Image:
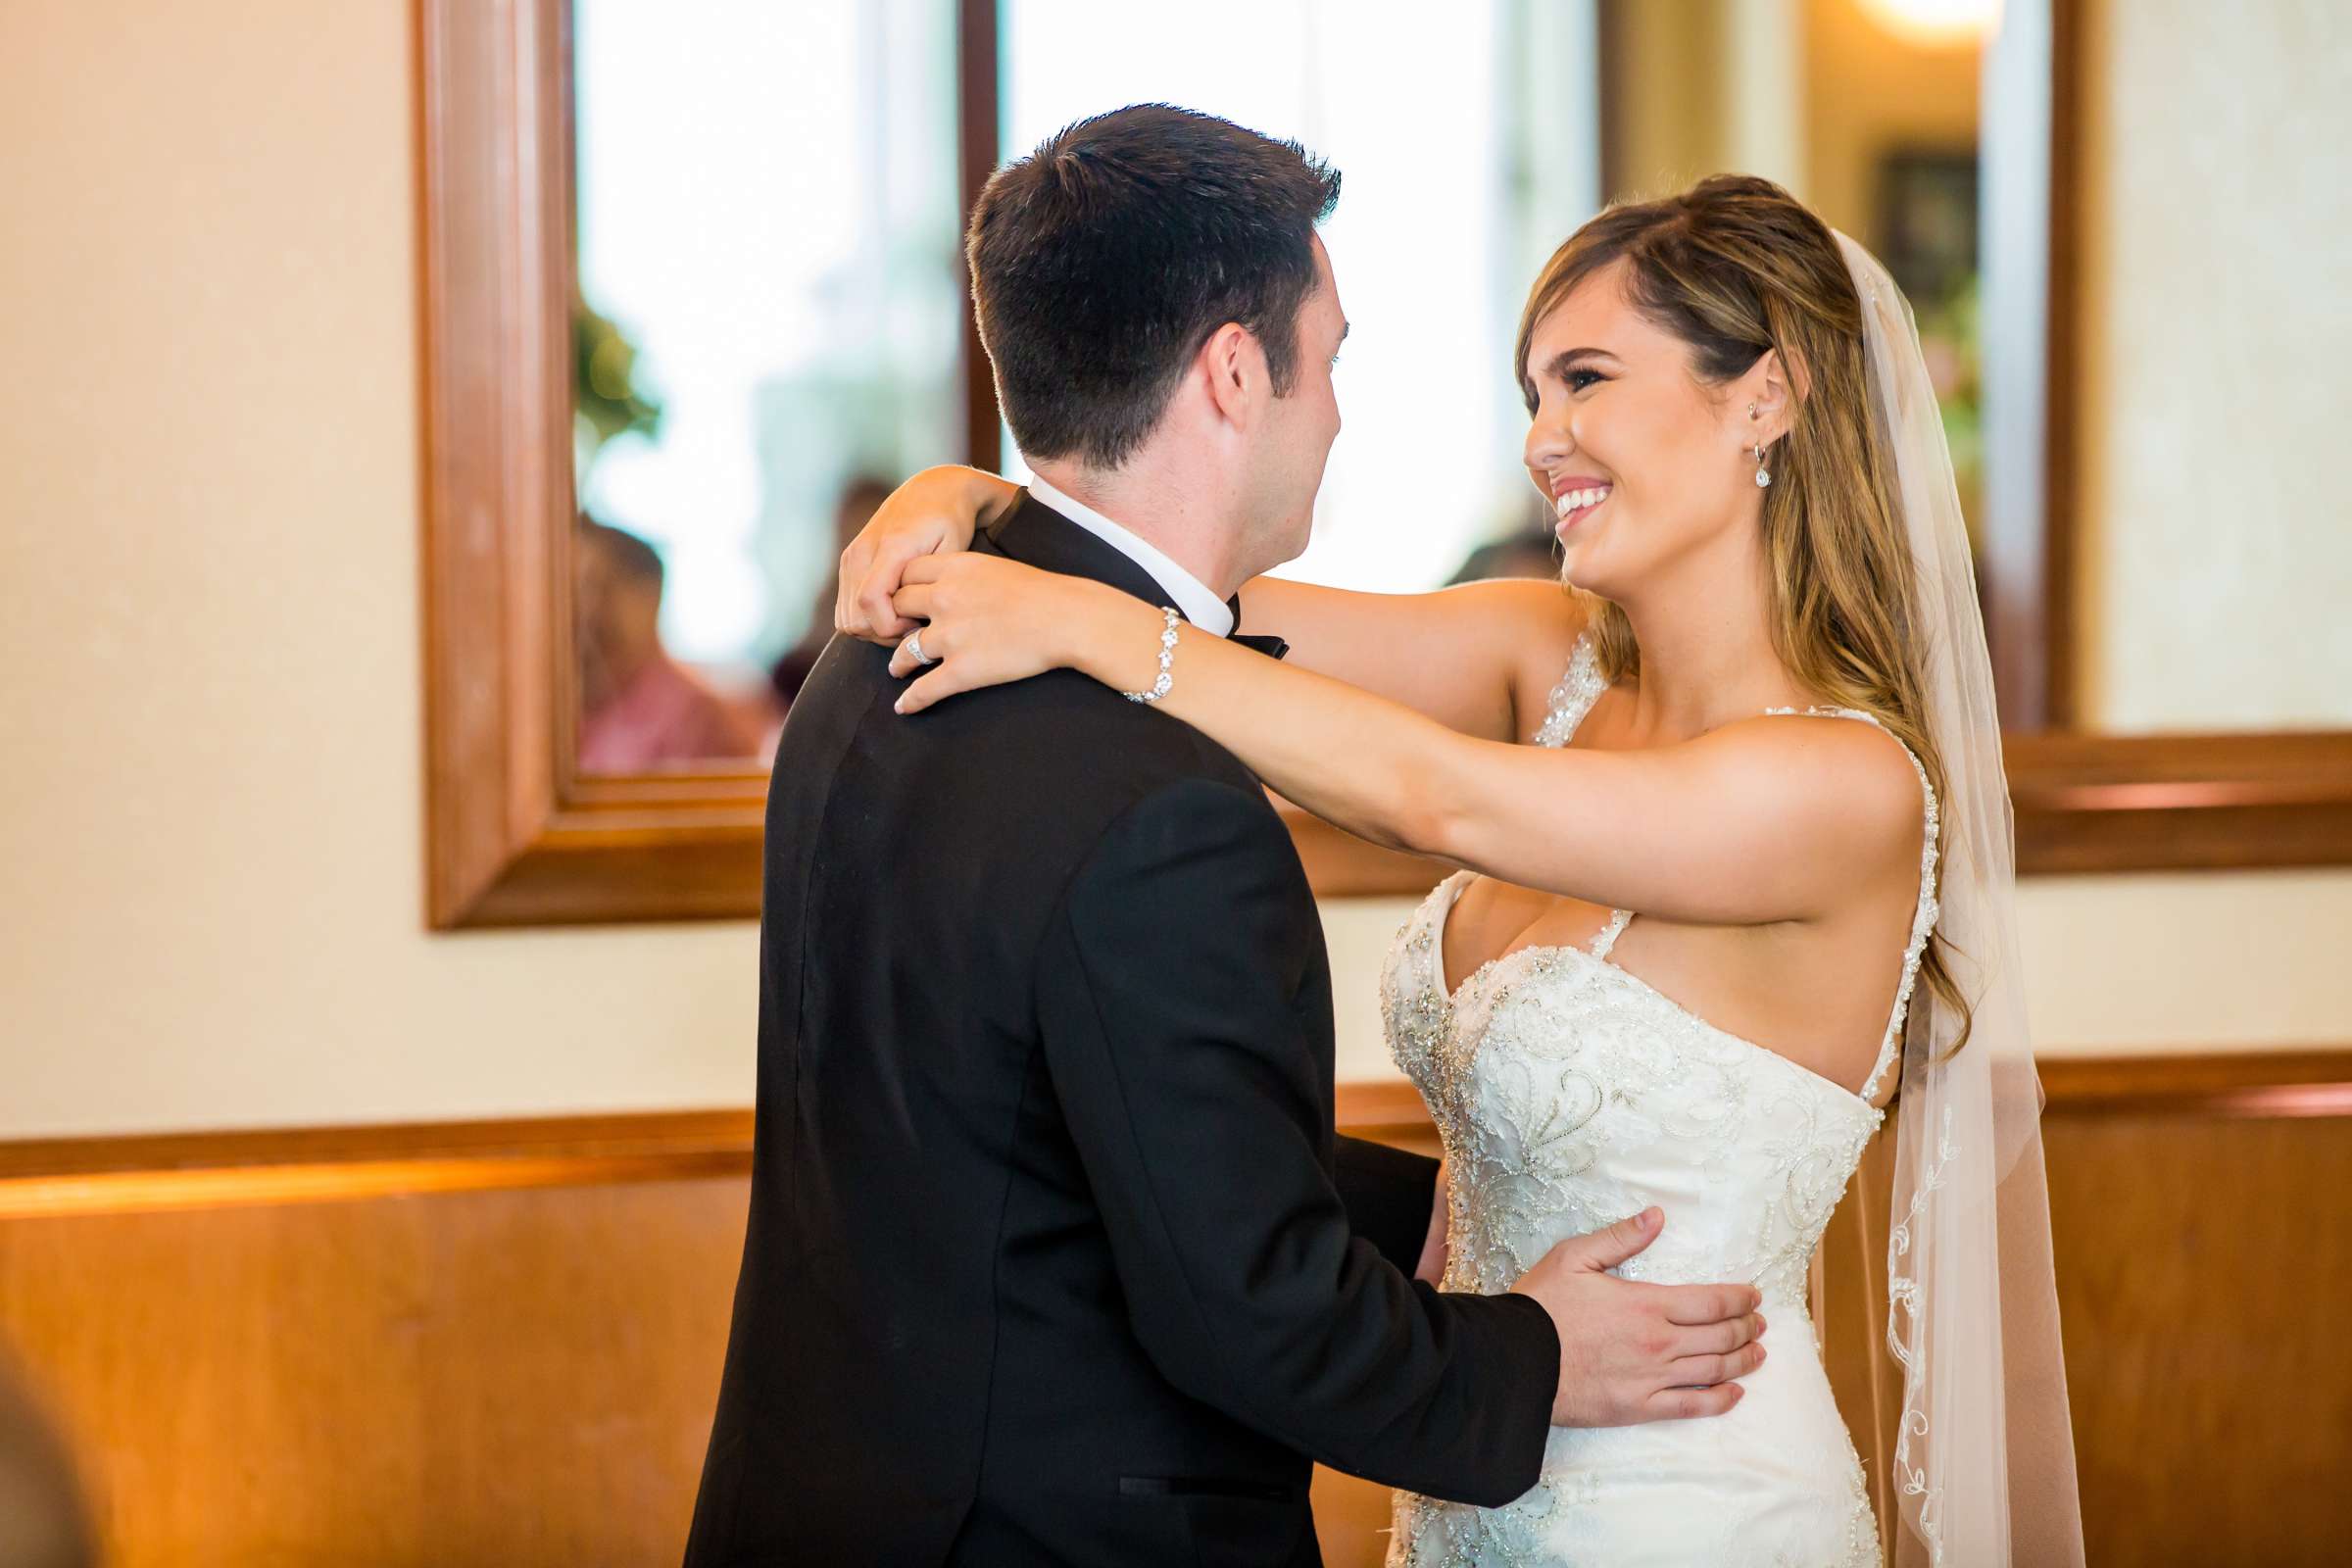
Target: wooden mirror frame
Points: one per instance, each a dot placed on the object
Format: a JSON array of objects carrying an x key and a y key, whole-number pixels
[{"x": 518, "y": 836}]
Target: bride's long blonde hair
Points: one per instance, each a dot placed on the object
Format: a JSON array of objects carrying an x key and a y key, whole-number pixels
[{"x": 1736, "y": 267}]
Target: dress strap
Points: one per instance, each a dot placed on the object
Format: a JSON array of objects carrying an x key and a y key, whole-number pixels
[
  {"x": 1619, "y": 919},
  {"x": 1924, "y": 914},
  {"x": 1573, "y": 698}
]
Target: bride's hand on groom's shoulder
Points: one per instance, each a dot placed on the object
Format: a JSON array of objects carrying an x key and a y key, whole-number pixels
[
  {"x": 987, "y": 621},
  {"x": 1632, "y": 1351},
  {"x": 935, "y": 513}
]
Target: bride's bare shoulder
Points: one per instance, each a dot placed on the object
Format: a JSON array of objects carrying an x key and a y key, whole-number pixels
[
  {"x": 1537, "y": 607},
  {"x": 1537, "y": 621},
  {"x": 1845, "y": 782}
]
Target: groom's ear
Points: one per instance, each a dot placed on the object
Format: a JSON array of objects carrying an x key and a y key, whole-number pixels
[{"x": 1234, "y": 366}]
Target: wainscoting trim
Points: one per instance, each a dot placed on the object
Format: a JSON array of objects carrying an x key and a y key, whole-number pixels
[
  {"x": 316, "y": 1165},
  {"x": 321, "y": 1164}
]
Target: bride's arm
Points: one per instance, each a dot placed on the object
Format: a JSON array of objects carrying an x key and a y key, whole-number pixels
[
  {"x": 1478, "y": 658},
  {"x": 1760, "y": 820},
  {"x": 938, "y": 510}
]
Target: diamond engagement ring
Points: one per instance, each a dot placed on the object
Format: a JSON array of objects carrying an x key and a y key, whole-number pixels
[{"x": 914, "y": 648}]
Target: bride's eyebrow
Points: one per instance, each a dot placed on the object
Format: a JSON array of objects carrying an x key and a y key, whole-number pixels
[{"x": 1560, "y": 363}]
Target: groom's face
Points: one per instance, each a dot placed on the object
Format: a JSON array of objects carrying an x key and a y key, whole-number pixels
[{"x": 1300, "y": 427}]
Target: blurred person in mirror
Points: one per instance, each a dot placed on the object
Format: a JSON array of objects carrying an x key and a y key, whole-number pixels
[
  {"x": 43, "y": 1521},
  {"x": 860, "y": 499},
  {"x": 639, "y": 707},
  {"x": 1531, "y": 549}
]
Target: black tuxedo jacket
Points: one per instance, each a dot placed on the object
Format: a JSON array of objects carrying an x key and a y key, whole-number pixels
[{"x": 1053, "y": 1255}]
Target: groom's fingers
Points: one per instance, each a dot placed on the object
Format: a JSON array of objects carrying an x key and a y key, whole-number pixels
[
  {"x": 1606, "y": 1248},
  {"x": 1718, "y": 1339},
  {"x": 1689, "y": 1405},
  {"x": 1706, "y": 1370},
  {"x": 1693, "y": 1304}
]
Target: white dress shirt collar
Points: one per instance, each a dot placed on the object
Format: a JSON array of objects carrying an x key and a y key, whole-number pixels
[{"x": 1201, "y": 607}]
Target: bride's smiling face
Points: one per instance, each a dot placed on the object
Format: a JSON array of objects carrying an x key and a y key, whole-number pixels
[{"x": 1642, "y": 462}]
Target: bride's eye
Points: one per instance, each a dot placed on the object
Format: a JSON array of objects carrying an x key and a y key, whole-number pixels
[{"x": 1579, "y": 381}]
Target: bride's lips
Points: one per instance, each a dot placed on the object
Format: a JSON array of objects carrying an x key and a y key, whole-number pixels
[{"x": 1574, "y": 498}]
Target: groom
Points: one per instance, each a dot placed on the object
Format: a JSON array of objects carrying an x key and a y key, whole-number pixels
[{"x": 1054, "y": 1256}]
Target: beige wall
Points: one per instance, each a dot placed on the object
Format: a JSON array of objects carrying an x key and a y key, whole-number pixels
[
  {"x": 209, "y": 652},
  {"x": 208, "y": 655},
  {"x": 2218, "y": 337}
]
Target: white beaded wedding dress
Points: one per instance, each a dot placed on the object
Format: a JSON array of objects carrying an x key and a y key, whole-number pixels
[{"x": 1568, "y": 1096}]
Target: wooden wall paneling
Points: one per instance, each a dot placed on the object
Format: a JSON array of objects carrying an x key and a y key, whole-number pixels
[
  {"x": 2203, "y": 1236},
  {"x": 506, "y": 1376},
  {"x": 2197, "y": 1219},
  {"x": 499, "y": 1343}
]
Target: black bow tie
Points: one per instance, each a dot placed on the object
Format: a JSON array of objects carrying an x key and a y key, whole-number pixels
[{"x": 1271, "y": 647}]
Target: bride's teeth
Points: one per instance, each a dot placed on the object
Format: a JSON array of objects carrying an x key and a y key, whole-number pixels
[{"x": 1578, "y": 499}]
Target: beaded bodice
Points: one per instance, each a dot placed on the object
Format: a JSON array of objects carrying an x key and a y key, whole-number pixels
[{"x": 1569, "y": 1094}]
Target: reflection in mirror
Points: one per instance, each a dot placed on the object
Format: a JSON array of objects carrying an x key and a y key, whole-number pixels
[
  {"x": 1866, "y": 109},
  {"x": 767, "y": 330},
  {"x": 1467, "y": 139},
  {"x": 1869, "y": 110},
  {"x": 769, "y": 298},
  {"x": 769, "y": 307},
  {"x": 518, "y": 836}
]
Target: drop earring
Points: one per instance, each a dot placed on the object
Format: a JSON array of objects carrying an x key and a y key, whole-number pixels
[{"x": 1763, "y": 475}]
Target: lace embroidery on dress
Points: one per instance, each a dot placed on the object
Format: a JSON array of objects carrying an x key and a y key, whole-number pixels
[
  {"x": 1568, "y": 1094},
  {"x": 1573, "y": 698}
]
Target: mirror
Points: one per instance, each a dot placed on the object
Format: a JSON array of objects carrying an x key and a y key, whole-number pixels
[
  {"x": 1876, "y": 112},
  {"x": 1870, "y": 111},
  {"x": 769, "y": 336},
  {"x": 742, "y": 402},
  {"x": 693, "y": 276}
]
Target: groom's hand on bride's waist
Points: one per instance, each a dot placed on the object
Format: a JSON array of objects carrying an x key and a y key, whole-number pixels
[{"x": 1632, "y": 1351}]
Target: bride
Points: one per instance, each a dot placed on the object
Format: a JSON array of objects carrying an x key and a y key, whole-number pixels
[{"x": 1738, "y": 864}]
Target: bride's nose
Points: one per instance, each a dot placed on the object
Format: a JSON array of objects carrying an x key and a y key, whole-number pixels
[{"x": 1550, "y": 441}]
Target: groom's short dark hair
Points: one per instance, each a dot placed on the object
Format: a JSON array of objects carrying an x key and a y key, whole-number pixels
[{"x": 1102, "y": 261}]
